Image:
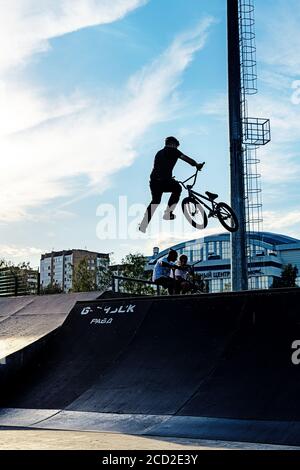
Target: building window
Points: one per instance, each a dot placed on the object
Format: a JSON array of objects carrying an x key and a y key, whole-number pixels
[
  {"x": 215, "y": 285},
  {"x": 226, "y": 252},
  {"x": 263, "y": 282},
  {"x": 253, "y": 283},
  {"x": 211, "y": 248}
]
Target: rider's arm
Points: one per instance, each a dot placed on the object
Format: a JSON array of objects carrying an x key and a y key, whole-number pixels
[{"x": 190, "y": 161}]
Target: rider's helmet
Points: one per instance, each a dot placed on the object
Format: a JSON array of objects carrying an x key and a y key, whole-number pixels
[{"x": 172, "y": 141}]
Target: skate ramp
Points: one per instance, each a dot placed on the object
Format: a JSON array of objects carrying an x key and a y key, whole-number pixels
[
  {"x": 24, "y": 320},
  {"x": 210, "y": 366}
]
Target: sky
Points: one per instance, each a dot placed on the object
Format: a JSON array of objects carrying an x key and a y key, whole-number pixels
[{"x": 89, "y": 89}]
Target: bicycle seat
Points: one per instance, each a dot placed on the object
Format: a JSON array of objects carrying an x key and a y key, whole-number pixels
[{"x": 212, "y": 196}]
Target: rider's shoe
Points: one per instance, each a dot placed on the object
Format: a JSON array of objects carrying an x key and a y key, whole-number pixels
[
  {"x": 168, "y": 215},
  {"x": 210, "y": 215}
]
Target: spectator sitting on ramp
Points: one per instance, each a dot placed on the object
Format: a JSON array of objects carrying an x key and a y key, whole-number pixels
[
  {"x": 162, "y": 181},
  {"x": 181, "y": 274},
  {"x": 162, "y": 273}
]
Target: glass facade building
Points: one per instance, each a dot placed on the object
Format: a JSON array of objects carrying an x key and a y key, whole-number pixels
[{"x": 211, "y": 257}]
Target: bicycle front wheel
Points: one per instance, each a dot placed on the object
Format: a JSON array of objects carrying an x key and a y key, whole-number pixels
[
  {"x": 227, "y": 217},
  {"x": 194, "y": 213}
]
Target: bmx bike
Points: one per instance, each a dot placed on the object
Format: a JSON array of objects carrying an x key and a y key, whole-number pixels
[{"x": 193, "y": 208}]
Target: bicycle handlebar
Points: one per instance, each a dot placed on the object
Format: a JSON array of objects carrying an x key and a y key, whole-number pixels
[{"x": 191, "y": 177}]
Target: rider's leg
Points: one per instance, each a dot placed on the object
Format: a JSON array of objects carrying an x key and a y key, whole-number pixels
[
  {"x": 175, "y": 188},
  {"x": 156, "y": 192}
]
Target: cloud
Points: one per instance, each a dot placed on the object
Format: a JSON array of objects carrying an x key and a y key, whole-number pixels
[
  {"x": 26, "y": 26},
  {"x": 280, "y": 158},
  {"x": 279, "y": 165},
  {"x": 281, "y": 44},
  {"x": 77, "y": 143},
  {"x": 216, "y": 107},
  {"x": 279, "y": 53},
  {"x": 276, "y": 80},
  {"x": 281, "y": 221},
  {"x": 17, "y": 254}
]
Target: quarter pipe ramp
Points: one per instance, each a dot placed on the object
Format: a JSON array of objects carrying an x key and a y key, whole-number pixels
[{"x": 210, "y": 366}]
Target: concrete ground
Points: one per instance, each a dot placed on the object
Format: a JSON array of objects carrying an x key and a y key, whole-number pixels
[{"x": 25, "y": 439}]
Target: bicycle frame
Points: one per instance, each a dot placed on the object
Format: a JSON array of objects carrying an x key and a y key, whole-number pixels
[
  {"x": 219, "y": 210},
  {"x": 198, "y": 196}
]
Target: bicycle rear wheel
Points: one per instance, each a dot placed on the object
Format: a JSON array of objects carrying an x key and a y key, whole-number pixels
[
  {"x": 194, "y": 213},
  {"x": 227, "y": 217}
]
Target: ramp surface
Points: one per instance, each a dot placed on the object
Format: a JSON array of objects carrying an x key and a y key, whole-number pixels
[
  {"x": 210, "y": 366},
  {"x": 24, "y": 320}
]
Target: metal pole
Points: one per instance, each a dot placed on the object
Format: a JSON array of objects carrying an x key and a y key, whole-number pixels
[
  {"x": 113, "y": 285},
  {"x": 239, "y": 271},
  {"x": 16, "y": 284},
  {"x": 38, "y": 283}
]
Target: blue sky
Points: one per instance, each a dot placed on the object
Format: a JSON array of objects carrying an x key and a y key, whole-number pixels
[{"x": 90, "y": 88}]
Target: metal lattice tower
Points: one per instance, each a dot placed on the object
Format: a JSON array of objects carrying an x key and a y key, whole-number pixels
[
  {"x": 256, "y": 132},
  {"x": 246, "y": 135}
]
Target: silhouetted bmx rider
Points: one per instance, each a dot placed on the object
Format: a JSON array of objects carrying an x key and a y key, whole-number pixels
[{"x": 162, "y": 181}]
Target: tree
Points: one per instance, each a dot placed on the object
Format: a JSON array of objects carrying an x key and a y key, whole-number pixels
[
  {"x": 202, "y": 284},
  {"x": 133, "y": 265},
  {"x": 25, "y": 277},
  {"x": 84, "y": 279},
  {"x": 287, "y": 279},
  {"x": 104, "y": 278},
  {"x": 227, "y": 287},
  {"x": 52, "y": 288}
]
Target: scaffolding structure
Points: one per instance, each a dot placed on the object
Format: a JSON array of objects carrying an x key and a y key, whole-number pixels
[{"x": 256, "y": 133}]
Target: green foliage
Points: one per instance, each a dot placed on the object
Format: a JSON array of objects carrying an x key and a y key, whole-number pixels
[
  {"x": 227, "y": 287},
  {"x": 22, "y": 273},
  {"x": 84, "y": 279},
  {"x": 51, "y": 289},
  {"x": 201, "y": 283},
  {"x": 133, "y": 265},
  {"x": 287, "y": 279},
  {"x": 15, "y": 268},
  {"x": 104, "y": 278}
]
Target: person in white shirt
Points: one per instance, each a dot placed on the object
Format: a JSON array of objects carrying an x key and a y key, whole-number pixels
[
  {"x": 162, "y": 273},
  {"x": 181, "y": 274}
]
